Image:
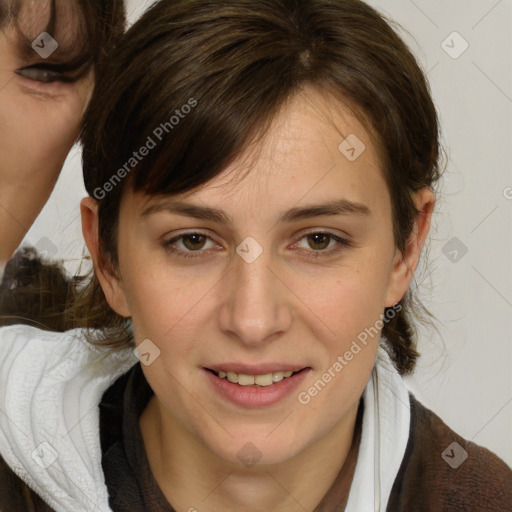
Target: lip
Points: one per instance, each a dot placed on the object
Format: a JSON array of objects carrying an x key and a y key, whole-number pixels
[
  {"x": 256, "y": 369},
  {"x": 254, "y": 396}
]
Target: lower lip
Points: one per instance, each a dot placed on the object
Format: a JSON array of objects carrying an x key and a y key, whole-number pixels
[{"x": 254, "y": 396}]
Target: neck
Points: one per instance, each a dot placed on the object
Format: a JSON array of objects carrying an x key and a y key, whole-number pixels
[{"x": 192, "y": 477}]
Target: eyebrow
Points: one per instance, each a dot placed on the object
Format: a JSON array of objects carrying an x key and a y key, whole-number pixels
[{"x": 330, "y": 208}]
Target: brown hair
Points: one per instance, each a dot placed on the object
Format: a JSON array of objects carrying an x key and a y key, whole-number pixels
[
  {"x": 240, "y": 60},
  {"x": 91, "y": 31},
  {"x": 34, "y": 291}
]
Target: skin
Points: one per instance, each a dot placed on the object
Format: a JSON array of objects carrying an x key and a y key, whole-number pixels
[
  {"x": 39, "y": 122},
  {"x": 292, "y": 305}
]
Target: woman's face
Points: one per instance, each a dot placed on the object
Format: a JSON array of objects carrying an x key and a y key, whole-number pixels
[
  {"x": 282, "y": 270},
  {"x": 39, "y": 120}
]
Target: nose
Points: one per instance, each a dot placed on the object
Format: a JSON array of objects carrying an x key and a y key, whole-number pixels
[{"x": 256, "y": 306}]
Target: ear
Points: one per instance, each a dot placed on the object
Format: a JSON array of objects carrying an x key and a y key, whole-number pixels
[
  {"x": 404, "y": 264},
  {"x": 111, "y": 284}
]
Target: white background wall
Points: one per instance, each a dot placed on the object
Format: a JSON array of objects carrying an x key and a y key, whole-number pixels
[{"x": 465, "y": 371}]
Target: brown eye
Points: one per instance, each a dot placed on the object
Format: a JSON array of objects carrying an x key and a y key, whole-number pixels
[
  {"x": 194, "y": 242},
  {"x": 319, "y": 241},
  {"x": 191, "y": 245}
]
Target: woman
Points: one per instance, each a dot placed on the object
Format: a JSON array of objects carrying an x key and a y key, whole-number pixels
[
  {"x": 261, "y": 182},
  {"x": 48, "y": 51}
]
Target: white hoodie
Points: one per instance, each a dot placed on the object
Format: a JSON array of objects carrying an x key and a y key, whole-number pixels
[{"x": 52, "y": 383}]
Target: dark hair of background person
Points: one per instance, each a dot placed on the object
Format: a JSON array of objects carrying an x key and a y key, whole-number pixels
[
  {"x": 241, "y": 61},
  {"x": 34, "y": 292},
  {"x": 95, "y": 25}
]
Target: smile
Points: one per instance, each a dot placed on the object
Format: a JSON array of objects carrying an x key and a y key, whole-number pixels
[
  {"x": 258, "y": 386},
  {"x": 262, "y": 380}
]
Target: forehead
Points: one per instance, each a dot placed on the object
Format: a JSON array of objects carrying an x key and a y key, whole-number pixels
[
  {"x": 313, "y": 136},
  {"x": 315, "y": 146}
]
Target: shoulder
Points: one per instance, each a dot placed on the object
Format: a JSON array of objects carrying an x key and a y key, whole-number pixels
[
  {"x": 32, "y": 359},
  {"x": 29, "y": 345},
  {"x": 21, "y": 336},
  {"x": 49, "y": 381},
  {"x": 26, "y": 349},
  {"x": 443, "y": 471}
]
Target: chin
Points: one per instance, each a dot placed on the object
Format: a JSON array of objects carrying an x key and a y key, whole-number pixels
[{"x": 260, "y": 448}]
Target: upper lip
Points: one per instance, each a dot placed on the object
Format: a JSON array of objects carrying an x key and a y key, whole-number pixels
[{"x": 255, "y": 369}]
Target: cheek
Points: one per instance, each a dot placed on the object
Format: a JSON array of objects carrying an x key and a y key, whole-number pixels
[
  {"x": 164, "y": 309},
  {"x": 347, "y": 340},
  {"x": 162, "y": 300},
  {"x": 348, "y": 298},
  {"x": 353, "y": 307},
  {"x": 38, "y": 133},
  {"x": 55, "y": 129}
]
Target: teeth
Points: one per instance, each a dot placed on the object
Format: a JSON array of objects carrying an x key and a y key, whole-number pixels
[
  {"x": 250, "y": 380},
  {"x": 265, "y": 380},
  {"x": 277, "y": 376},
  {"x": 245, "y": 380}
]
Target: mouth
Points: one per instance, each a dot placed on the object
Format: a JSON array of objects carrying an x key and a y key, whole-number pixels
[
  {"x": 258, "y": 380},
  {"x": 251, "y": 386}
]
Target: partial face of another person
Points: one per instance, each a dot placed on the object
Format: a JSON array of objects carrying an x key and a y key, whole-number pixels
[
  {"x": 276, "y": 271},
  {"x": 40, "y": 108}
]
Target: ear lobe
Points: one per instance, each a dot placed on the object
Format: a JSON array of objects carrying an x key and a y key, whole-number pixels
[
  {"x": 404, "y": 264},
  {"x": 109, "y": 281}
]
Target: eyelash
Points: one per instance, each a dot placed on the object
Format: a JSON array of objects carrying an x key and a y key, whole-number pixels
[{"x": 341, "y": 244}]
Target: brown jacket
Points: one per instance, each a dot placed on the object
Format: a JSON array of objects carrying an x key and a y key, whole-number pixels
[{"x": 425, "y": 482}]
